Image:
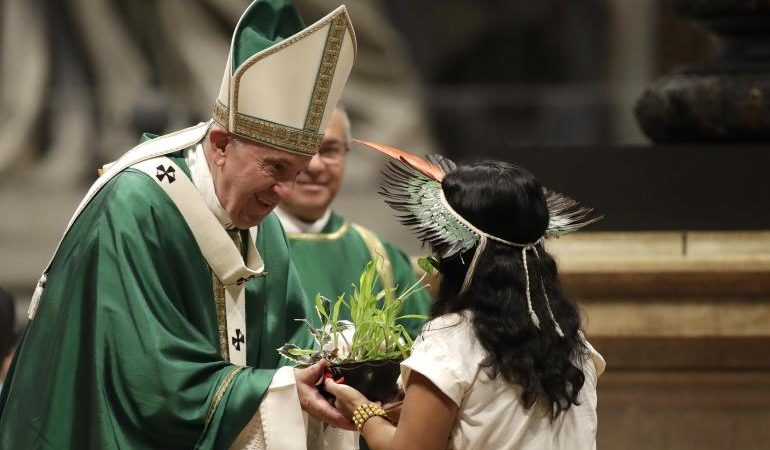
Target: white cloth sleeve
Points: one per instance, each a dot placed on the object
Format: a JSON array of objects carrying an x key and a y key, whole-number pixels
[
  {"x": 278, "y": 424},
  {"x": 446, "y": 355},
  {"x": 599, "y": 364},
  {"x": 321, "y": 436}
]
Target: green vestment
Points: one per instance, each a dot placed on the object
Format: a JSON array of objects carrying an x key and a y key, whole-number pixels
[
  {"x": 331, "y": 261},
  {"x": 124, "y": 350}
]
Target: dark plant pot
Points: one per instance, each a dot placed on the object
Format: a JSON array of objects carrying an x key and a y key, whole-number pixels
[{"x": 375, "y": 379}]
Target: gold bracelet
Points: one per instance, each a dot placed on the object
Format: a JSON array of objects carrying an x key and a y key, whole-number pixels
[{"x": 366, "y": 412}]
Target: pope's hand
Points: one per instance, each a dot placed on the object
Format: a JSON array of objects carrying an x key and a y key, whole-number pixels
[
  {"x": 313, "y": 402},
  {"x": 347, "y": 398}
]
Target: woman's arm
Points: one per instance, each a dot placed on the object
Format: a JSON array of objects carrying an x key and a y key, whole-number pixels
[{"x": 426, "y": 418}]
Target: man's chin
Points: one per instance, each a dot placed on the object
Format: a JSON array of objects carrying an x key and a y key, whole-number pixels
[
  {"x": 251, "y": 220},
  {"x": 304, "y": 200},
  {"x": 305, "y": 209}
]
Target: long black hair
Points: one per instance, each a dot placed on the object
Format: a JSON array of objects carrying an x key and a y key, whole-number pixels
[{"x": 506, "y": 201}]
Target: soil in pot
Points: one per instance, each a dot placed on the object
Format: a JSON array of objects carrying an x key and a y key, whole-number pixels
[{"x": 375, "y": 379}]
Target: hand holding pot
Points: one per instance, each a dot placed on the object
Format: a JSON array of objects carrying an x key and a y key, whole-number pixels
[
  {"x": 347, "y": 398},
  {"x": 313, "y": 402}
]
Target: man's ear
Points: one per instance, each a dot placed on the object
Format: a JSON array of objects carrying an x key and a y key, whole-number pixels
[{"x": 219, "y": 142}]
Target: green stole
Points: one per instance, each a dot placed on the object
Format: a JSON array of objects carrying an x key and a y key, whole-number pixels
[
  {"x": 331, "y": 261},
  {"x": 124, "y": 351}
]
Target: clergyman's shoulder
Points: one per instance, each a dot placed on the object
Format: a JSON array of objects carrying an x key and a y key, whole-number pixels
[
  {"x": 133, "y": 187},
  {"x": 393, "y": 250}
]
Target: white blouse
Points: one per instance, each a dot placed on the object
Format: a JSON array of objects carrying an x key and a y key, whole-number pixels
[{"x": 491, "y": 414}]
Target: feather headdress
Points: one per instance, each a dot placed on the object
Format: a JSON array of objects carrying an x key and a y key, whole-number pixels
[{"x": 412, "y": 187}]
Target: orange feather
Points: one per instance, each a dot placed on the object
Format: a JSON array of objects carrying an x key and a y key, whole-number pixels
[{"x": 418, "y": 163}]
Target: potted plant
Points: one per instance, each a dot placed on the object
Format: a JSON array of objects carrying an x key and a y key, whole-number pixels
[{"x": 366, "y": 351}]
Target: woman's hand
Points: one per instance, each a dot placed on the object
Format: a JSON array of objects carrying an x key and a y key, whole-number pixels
[
  {"x": 313, "y": 402},
  {"x": 347, "y": 398}
]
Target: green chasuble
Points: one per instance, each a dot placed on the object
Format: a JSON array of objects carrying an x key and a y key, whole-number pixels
[
  {"x": 331, "y": 261},
  {"x": 124, "y": 350}
]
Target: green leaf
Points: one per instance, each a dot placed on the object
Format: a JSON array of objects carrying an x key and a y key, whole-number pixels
[
  {"x": 320, "y": 307},
  {"x": 336, "y": 310},
  {"x": 300, "y": 351},
  {"x": 413, "y": 316},
  {"x": 428, "y": 263}
]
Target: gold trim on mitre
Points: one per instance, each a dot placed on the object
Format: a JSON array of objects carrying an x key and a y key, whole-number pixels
[
  {"x": 273, "y": 134},
  {"x": 326, "y": 72},
  {"x": 245, "y": 109}
]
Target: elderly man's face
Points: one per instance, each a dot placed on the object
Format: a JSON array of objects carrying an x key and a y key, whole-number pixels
[
  {"x": 319, "y": 183},
  {"x": 251, "y": 178}
]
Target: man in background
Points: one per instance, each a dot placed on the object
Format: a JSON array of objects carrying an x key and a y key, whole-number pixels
[{"x": 329, "y": 251}]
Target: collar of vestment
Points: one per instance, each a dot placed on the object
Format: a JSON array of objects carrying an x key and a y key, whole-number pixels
[
  {"x": 200, "y": 174},
  {"x": 294, "y": 225}
]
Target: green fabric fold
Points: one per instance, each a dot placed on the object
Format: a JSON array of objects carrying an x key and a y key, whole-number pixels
[{"x": 264, "y": 24}]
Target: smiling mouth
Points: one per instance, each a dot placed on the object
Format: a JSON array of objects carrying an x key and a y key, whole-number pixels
[
  {"x": 309, "y": 183},
  {"x": 310, "y": 186}
]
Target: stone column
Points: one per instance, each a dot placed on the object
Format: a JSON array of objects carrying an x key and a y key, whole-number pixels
[{"x": 726, "y": 99}]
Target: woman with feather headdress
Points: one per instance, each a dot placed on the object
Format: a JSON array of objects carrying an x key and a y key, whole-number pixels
[{"x": 503, "y": 364}]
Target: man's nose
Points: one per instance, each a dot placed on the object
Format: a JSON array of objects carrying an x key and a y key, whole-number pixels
[{"x": 315, "y": 165}]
